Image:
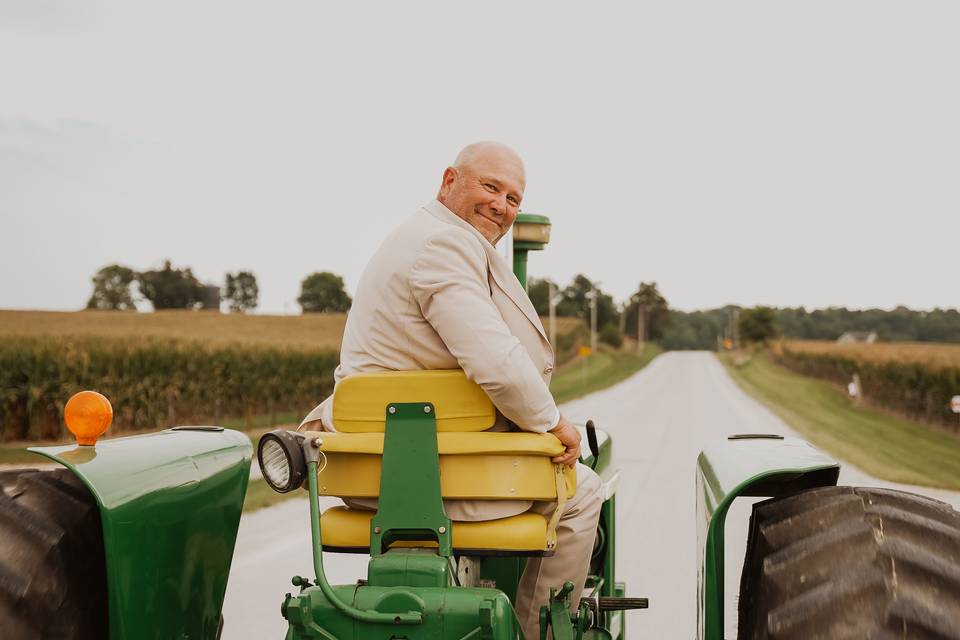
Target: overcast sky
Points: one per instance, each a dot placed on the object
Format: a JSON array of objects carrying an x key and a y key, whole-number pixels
[{"x": 803, "y": 153}]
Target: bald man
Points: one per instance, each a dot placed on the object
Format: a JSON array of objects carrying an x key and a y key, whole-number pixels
[{"x": 438, "y": 295}]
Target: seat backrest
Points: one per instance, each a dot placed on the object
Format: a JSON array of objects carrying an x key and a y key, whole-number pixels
[{"x": 360, "y": 401}]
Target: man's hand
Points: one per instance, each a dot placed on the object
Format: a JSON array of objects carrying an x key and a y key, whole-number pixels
[{"x": 569, "y": 436}]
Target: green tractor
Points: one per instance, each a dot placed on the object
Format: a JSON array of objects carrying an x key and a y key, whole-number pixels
[{"x": 134, "y": 538}]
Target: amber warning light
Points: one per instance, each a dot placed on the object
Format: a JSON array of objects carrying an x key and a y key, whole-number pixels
[{"x": 87, "y": 414}]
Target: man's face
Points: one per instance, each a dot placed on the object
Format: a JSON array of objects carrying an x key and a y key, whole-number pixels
[{"x": 486, "y": 193}]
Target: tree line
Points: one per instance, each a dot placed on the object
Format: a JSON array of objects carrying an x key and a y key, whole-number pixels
[
  {"x": 645, "y": 315},
  {"x": 700, "y": 329},
  {"x": 117, "y": 287},
  {"x": 707, "y": 329}
]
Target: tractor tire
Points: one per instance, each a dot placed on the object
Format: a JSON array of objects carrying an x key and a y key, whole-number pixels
[
  {"x": 53, "y": 580},
  {"x": 847, "y": 562}
]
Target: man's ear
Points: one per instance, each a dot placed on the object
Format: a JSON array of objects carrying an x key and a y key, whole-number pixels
[{"x": 446, "y": 185}]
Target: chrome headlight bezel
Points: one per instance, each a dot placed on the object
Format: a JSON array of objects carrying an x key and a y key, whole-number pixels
[{"x": 288, "y": 446}]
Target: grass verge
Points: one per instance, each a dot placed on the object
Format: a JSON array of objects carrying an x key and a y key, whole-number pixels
[
  {"x": 884, "y": 446},
  {"x": 598, "y": 371},
  {"x": 260, "y": 495}
]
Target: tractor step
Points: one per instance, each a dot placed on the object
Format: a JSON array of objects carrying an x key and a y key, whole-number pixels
[{"x": 609, "y": 603}]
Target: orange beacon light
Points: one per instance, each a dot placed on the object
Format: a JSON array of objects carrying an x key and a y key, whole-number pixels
[{"x": 88, "y": 414}]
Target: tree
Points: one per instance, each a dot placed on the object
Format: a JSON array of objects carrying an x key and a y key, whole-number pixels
[
  {"x": 654, "y": 306},
  {"x": 242, "y": 291},
  {"x": 539, "y": 292},
  {"x": 576, "y": 304},
  {"x": 758, "y": 325},
  {"x": 170, "y": 288},
  {"x": 111, "y": 289},
  {"x": 610, "y": 335},
  {"x": 322, "y": 292}
]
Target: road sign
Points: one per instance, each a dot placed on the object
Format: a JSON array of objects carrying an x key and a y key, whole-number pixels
[
  {"x": 955, "y": 404},
  {"x": 584, "y": 351}
]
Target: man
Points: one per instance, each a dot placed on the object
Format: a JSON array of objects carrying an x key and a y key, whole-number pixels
[{"x": 438, "y": 295}]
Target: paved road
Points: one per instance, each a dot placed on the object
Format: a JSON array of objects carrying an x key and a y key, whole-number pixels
[{"x": 659, "y": 420}]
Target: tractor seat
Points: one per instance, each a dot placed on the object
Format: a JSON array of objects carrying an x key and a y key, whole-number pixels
[
  {"x": 347, "y": 530},
  {"x": 474, "y": 464}
]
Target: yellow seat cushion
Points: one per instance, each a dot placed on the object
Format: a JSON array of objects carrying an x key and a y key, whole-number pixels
[
  {"x": 349, "y": 530},
  {"x": 360, "y": 401},
  {"x": 473, "y": 466},
  {"x": 483, "y": 442}
]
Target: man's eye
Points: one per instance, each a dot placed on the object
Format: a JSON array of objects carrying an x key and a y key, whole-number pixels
[
  {"x": 489, "y": 187},
  {"x": 513, "y": 201}
]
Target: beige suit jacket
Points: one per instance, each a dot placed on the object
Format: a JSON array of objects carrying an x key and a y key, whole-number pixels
[{"x": 438, "y": 295}]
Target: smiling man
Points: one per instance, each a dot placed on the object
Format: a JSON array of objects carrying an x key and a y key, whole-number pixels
[{"x": 438, "y": 295}]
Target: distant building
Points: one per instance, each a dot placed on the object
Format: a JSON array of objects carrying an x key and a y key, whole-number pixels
[
  {"x": 863, "y": 337},
  {"x": 210, "y": 297}
]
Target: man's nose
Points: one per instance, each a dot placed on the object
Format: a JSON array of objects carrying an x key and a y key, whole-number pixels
[{"x": 499, "y": 204}]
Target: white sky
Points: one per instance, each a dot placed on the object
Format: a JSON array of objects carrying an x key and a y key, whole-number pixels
[{"x": 746, "y": 152}]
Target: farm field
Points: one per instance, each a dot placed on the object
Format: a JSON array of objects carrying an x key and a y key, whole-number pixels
[
  {"x": 931, "y": 354},
  {"x": 311, "y": 331},
  {"x": 885, "y": 446}
]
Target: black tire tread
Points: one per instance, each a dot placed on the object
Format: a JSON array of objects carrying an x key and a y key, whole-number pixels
[
  {"x": 52, "y": 568},
  {"x": 846, "y": 562}
]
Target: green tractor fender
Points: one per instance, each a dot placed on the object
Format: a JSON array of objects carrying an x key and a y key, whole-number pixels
[
  {"x": 744, "y": 466},
  {"x": 170, "y": 505}
]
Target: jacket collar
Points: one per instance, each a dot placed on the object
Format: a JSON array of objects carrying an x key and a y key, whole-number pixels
[{"x": 502, "y": 273}]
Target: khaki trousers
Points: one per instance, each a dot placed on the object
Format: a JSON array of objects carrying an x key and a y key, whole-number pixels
[
  {"x": 576, "y": 532},
  {"x": 571, "y": 560}
]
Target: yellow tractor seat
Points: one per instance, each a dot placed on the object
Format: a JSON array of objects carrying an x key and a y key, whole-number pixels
[
  {"x": 475, "y": 464},
  {"x": 347, "y": 530},
  {"x": 360, "y": 401}
]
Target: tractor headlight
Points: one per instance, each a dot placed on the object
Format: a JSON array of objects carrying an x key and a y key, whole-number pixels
[{"x": 280, "y": 455}]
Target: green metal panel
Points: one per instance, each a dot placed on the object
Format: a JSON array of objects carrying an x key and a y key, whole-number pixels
[
  {"x": 170, "y": 505},
  {"x": 409, "y": 568},
  {"x": 449, "y": 613},
  {"x": 744, "y": 466},
  {"x": 410, "y": 506}
]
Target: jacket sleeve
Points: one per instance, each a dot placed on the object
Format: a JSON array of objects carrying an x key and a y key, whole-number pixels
[{"x": 449, "y": 281}]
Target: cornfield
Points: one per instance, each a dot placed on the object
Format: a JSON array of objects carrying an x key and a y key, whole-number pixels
[
  {"x": 312, "y": 331},
  {"x": 930, "y": 354},
  {"x": 172, "y": 367},
  {"x": 153, "y": 382},
  {"x": 912, "y": 379}
]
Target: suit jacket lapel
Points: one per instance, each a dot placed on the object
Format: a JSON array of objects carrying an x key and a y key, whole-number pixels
[{"x": 502, "y": 274}]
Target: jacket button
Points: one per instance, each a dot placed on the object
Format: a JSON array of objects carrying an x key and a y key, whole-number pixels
[{"x": 548, "y": 369}]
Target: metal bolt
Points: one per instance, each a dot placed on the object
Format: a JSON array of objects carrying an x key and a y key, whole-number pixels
[
  {"x": 442, "y": 529},
  {"x": 391, "y": 409},
  {"x": 426, "y": 408},
  {"x": 376, "y": 529},
  {"x": 316, "y": 443}
]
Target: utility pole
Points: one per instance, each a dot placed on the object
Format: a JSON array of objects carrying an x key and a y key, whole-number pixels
[
  {"x": 640, "y": 321},
  {"x": 593, "y": 319},
  {"x": 736, "y": 327},
  {"x": 641, "y": 328},
  {"x": 555, "y": 299}
]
